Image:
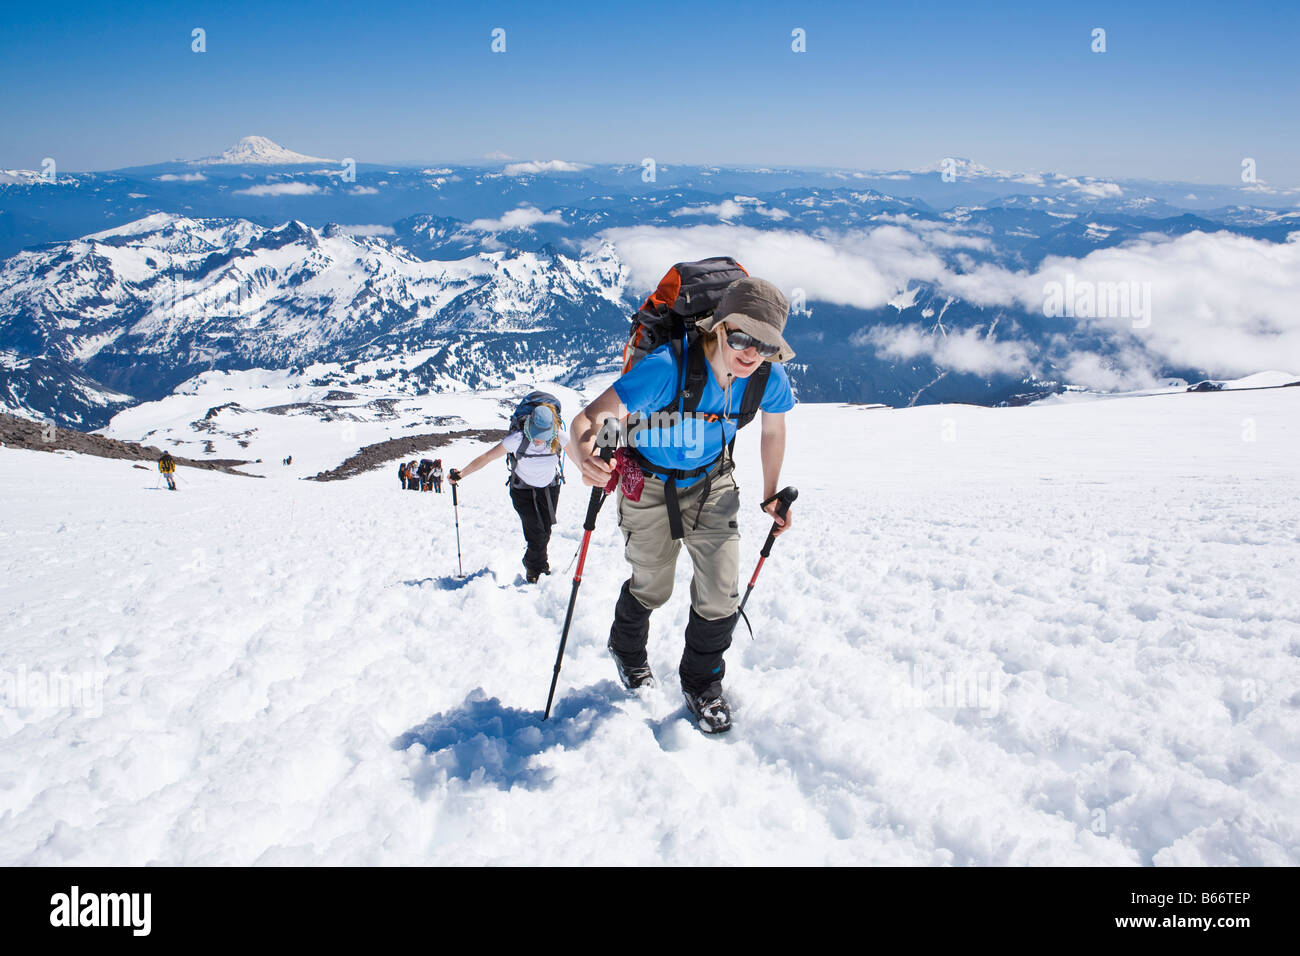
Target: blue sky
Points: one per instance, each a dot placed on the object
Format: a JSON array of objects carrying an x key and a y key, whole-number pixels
[{"x": 1184, "y": 91}]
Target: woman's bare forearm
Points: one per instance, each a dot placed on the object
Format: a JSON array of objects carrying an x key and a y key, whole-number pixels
[
  {"x": 491, "y": 455},
  {"x": 772, "y": 451},
  {"x": 587, "y": 423}
]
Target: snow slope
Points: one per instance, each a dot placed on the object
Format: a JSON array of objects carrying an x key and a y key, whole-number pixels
[
  {"x": 1048, "y": 635},
  {"x": 317, "y": 417}
]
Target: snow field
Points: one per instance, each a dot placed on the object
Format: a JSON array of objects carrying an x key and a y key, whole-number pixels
[{"x": 1063, "y": 634}]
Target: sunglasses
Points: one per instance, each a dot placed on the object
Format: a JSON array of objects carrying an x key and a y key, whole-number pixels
[{"x": 743, "y": 340}]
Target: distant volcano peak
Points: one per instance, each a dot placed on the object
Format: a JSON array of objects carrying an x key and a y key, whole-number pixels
[{"x": 258, "y": 151}]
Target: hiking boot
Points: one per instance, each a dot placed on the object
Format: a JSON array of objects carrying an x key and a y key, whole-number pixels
[
  {"x": 531, "y": 576},
  {"x": 710, "y": 708},
  {"x": 632, "y": 676}
]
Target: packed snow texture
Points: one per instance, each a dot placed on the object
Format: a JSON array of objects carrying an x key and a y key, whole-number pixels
[{"x": 1061, "y": 634}]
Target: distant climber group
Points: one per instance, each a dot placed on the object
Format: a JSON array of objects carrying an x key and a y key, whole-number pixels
[{"x": 424, "y": 476}]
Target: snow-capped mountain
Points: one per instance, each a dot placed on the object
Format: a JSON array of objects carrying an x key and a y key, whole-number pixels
[
  {"x": 257, "y": 151},
  {"x": 55, "y": 388},
  {"x": 134, "y": 311},
  {"x": 144, "y": 307},
  {"x": 130, "y": 282},
  {"x": 130, "y": 312}
]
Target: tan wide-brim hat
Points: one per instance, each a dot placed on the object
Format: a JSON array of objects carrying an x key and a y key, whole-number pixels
[{"x": 757, "y": 307}]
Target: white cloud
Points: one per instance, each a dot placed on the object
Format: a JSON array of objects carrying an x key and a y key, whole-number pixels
[
  {"x": 549, "y": 166},
  {"x": 1262, "y": 187},
  {"x": 280, "y": 189},
  {"x": 1028, "y": 179},
  {"x": 1217, "y": 301},
  {"x": 182, "y": 178},
  {"x": 522, "y": 217},
  {"x": 939, "y": 234},
  {"x": 1125, "y": 372},
  {"x": 968, "y": 350},
  {"x": 727, "y": 209},
  {"x": 1093, "y": 189},
  {"x": 863, "y": 269},
  {"x": 498, "y": 157},
  {"x": 730, "y": 209},
  {"x": 363, "y": 191}
]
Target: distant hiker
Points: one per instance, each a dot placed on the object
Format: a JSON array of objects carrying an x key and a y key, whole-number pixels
[
  {"x": 289, "y": 460},
  {"x": 167, "y": 465},
  {"x": 533, "y": 448},
  {"x": 436, "y": 475},
  {"x": 716, "y": 370},
  {"x": 426, "y": 474},
  {"x": 412, "y": 476},
  {"x": 401, "y": 473}
]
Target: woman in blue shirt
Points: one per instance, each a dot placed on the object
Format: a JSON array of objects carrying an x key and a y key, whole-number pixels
[{"x": 690, "y": 491}]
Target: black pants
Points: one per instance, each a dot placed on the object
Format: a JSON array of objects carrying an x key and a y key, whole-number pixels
[
  {"x": 536, "y": 508},
  {"x": 706, "y": 641}
]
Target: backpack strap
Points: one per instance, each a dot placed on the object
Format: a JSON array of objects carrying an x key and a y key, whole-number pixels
[
  {"x": 755, "y": 389},
  {"x": 693, "y": 377}
]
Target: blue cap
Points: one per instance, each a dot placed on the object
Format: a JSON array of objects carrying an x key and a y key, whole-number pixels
[{"x": 540, "y": 425}]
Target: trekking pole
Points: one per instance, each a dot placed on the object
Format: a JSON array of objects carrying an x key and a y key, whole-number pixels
[
  {"x": 593, "y": 508},
  {"x": 786, "y": 496},
  {"x": 455, "y": 510}
]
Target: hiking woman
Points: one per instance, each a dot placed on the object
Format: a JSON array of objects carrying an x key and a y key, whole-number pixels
[
  {"x": 534, "y": 480},
  {"x": 690, "y": 493}
]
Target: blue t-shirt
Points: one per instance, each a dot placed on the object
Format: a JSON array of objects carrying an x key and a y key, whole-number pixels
[{"x": 693, "y": 442}]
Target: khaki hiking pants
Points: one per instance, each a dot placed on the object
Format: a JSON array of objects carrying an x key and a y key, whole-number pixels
[{"x": 714, "y": 546}]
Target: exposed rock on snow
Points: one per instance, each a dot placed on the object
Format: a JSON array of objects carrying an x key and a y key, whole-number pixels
[
  {"x": 401, "y": 449},
  {"x": 16, "y": 432}
]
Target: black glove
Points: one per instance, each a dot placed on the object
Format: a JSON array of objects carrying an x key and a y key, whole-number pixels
[{"x": 454, "y": 475}]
